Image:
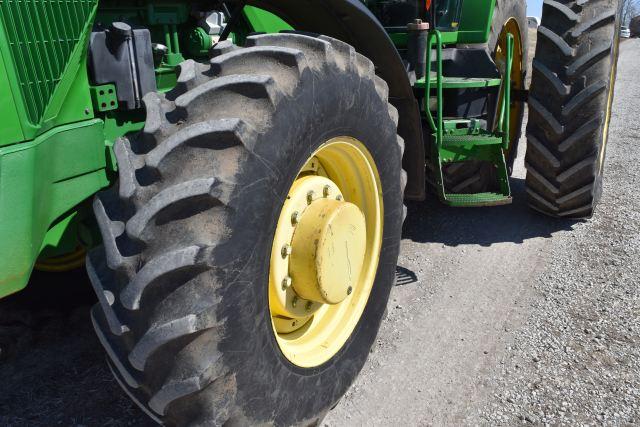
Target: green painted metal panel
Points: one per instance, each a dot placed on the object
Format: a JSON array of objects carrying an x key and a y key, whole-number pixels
[
  {"x": 11, "y": 129},
  {"x": 43, "y": 43},
  {"x": 40, "y": 182},
  {"x": 475, "y": 21},
  {"x": 264, "y": 22}
]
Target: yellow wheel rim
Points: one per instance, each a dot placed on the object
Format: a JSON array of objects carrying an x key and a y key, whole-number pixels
[
  {"x": 64, "y": 263},
  {"x": 517, "y": 72},
  {"x": 325, "y": 252},
  {"x": 612, "y": 83}
]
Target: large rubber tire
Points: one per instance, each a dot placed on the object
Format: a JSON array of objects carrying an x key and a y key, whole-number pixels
[
  {"x": 476, "y": 176},
  {"x": 570, "y": 102},
  {"x": 182, "y": 277}
]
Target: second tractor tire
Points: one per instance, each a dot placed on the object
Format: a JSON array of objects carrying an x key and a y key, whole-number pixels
[{"x": 572, "y": 88}]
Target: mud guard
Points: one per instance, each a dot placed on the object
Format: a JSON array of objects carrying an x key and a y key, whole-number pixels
[{"x": 351, "y": 22}]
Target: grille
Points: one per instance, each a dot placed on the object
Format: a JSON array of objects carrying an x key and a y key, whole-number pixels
[{"x": 42, "y": 35}]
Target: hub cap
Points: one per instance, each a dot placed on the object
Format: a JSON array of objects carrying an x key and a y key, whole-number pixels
[{"x": 325, "y": 252}]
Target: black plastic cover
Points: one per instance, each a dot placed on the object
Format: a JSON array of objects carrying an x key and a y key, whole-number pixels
[
  {"x": 123, "y": 56},
  {"x": 471, "y": 63}
]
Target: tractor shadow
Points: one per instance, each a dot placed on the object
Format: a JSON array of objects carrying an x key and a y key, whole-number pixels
[
  {"x": 52, "y": 366},
  {"x": 432, "y": 222}
]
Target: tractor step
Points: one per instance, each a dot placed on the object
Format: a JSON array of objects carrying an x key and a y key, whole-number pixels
[
  {"x": 459, "y": 82},
  {"x": 463, "y": 139},
  {"x": 470, "y": 140},
  {"x": 476, "y": 200}
]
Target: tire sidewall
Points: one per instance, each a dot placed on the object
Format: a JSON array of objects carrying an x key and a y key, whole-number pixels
[{"x": 326, "y": 105}]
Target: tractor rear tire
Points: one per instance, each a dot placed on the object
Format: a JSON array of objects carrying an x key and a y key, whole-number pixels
[
  {"x": 570, "y": 101},
  {"x": 183, "y": 275},
  {"x": 477, "y": 176}
]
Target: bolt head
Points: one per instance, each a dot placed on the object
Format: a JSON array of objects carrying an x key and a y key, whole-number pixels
[
  {"x": 286, "y": 283},
  {"x": 326, "y": 190},
  {"x": 285, "y": 251},
  {"x": 309, "y": 306},
  {"x": 295, "y": 218},
  {"x": 339, "y": 197},
  {"x": 349, "y": 290},
  {"x": 294, "y": 301},
  {"x": 311, "y": 195}
]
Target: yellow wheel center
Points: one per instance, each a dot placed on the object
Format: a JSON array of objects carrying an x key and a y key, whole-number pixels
[
  {"x": 328, "y": 251},
  {"x": 325, "y": 252}
]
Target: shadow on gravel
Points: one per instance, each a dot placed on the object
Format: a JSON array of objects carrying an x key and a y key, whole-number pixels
[
  {"x": 52, "y": 367},
  {"x": 430, "y": 221},
  {"x": 404, "y": 276}
]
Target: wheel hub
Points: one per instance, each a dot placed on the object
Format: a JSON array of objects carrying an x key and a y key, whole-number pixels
[
  {"x": 328, "y": 250},
  {"x": 322, "y": 240},
  {"x": 325, "y": 252}
]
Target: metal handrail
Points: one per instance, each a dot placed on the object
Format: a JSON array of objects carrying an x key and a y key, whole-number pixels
[{"x": 439, "y": 128}]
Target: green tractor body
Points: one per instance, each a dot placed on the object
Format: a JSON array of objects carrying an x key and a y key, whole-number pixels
[
  {"x": 56, "y": 147},
  {"x": 91, "y": 90}
]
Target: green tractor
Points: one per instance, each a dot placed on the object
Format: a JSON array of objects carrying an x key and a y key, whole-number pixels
[{"x": 234, "y": 172}]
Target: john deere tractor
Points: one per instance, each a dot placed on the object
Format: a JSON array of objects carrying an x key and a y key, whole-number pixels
[{"x": 234, "y": 172}]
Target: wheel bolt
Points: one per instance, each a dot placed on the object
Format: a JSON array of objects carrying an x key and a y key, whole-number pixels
[
  {"x": 286, "y": 283},
  {"x": 285, "y": 251},
  {"x": 294, "y": 301},
  {"x": 310, "y": 196},
  {"x": 308, "y": 306},
  {"x": 295, "y": 218},
  {"x": 326, "y": 190}
]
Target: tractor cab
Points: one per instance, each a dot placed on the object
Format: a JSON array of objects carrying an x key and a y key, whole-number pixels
[{"x": 463, "y": 91}]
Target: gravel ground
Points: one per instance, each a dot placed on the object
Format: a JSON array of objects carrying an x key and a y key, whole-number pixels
[
  {"x": 577, "y": 360},
  {"x": 506, "y": 325},
  {"x": 500, "y": 316}
]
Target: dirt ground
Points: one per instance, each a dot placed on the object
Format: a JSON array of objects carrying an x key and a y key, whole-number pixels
[
  {"x": 507, "y": 317},
  {"x": 499, "y": 316}
]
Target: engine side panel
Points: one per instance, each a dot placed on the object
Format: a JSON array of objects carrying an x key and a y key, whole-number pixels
[{"x": 39, "y": 41}]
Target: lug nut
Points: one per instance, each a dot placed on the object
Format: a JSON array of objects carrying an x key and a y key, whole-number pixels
[
  {"x": 294, "y": 302},
  {"x": 285, "y": 251},
  {"x": 311, "y": 196},
  {"x": 286, "y": 283},
  {"x": 349, "y": 290},
  {"x": 295, "y": 218},
  {"x": 339, "y": 197},
  {"x": 326, "y": 190},
  {"x": 308, "y": 306}
]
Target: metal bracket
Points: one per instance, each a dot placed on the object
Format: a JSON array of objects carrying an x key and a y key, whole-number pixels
[{"x": 104, "y": 97}]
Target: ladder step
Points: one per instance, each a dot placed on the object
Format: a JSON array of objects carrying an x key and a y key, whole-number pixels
[
  {"x": 462, "y": 140},
  {"x": 460, "y": 82},
  {"x": 477, "y": 200}
]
